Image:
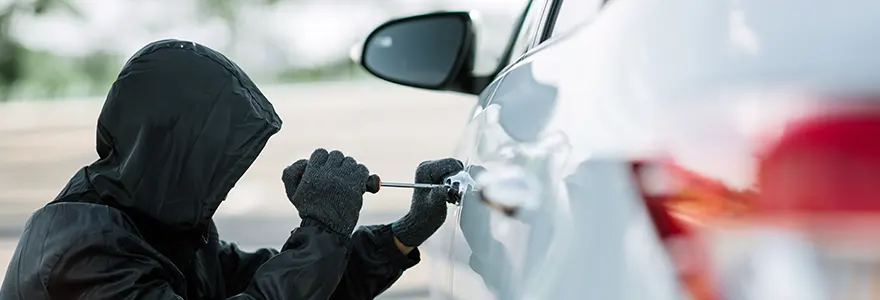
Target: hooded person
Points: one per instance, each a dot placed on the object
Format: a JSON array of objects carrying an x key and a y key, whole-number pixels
[{"x": 180, "y": 125}]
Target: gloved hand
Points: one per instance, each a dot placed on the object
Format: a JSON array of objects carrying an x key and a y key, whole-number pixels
[
  {"x": 427, "y": 211},
  {"x": 327, "y": 188}
]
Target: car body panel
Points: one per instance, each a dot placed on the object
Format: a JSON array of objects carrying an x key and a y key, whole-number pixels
[
  {"x": 574, "y": 113},
  {"x": 506, "y": 257}
]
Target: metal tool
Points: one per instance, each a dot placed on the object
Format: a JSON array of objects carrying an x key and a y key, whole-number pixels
[
  {"x": 374, "y": 183},
  {"x": 410, "y": 185}
]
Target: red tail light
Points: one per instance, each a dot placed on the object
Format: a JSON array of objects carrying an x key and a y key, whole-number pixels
[
  {"x": 666, "y": 224},
  {"x": 675, "y": 228},
  {"x": 821, "y": 166},
  {"x": 819, "y": 179}
]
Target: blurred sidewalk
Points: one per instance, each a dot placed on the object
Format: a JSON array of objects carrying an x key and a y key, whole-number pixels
[{"x": 388, "y": 128}]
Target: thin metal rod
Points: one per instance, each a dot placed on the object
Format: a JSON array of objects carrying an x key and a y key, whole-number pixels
[{"x": 410, "y": 185}]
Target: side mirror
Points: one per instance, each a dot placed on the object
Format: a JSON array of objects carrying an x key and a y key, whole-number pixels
[{"x": 432, "y": 51}]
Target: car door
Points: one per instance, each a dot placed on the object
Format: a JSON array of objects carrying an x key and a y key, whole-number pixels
[
  {"x": 445, "y": 240},
  {"x": 493, "y": 253}
]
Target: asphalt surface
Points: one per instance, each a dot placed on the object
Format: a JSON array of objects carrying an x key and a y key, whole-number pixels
[{"x": 389, "y": 128}]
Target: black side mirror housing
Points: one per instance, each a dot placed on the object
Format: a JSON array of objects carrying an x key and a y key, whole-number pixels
[{"x": 431, "y": 51}]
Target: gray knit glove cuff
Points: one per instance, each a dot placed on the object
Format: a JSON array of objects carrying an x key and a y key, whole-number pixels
[{"x": 427, "y": 210}]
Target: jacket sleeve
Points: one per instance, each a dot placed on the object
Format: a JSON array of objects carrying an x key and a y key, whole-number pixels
[
  {"x": 374, "y": 265},
  {"x": 117, "y": 265},
  {"x": 238, "y": 267}
]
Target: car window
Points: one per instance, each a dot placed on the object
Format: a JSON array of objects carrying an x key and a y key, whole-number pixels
[
  {"x": 528, "y": 33},
  {"x": 496, "y": 24},
  {"x": 569, "y": 14}
]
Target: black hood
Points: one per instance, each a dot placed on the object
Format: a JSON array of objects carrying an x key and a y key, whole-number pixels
[{"x": 181, "y": 124}]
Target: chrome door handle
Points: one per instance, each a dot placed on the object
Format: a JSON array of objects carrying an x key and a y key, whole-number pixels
[{"x": 461, "y": 184}]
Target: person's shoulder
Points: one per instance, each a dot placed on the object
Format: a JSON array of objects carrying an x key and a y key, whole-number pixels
[
  {"x": 57, "y": 227},
  {"x": 62, "y": 229},
  {"x": 78, "y": 218}
]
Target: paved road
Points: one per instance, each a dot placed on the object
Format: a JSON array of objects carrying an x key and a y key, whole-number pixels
[{"x": 389, "y": 128}]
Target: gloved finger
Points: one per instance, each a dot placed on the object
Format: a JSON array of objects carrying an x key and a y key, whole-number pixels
[
  {"x": 441, "y": 195},
  {"x": 434, "y": 171},
  {"x": 335, "y": 158},
  {"x": 349, "y": 161},
  {"x": 319, "y": 157},
  {"x": 360, "y": 171},
  {"x": 359, "y": 175},
  {"x": 438, "y": 197},
  {"x": 292, "y": 175}
]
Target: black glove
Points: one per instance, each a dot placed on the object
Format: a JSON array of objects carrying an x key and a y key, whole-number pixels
[
  {"x": 327, "y": 188},
  {"x": 428, "y": 209}
]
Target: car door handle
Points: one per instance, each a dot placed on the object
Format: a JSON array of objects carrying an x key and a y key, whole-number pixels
[
  {"x": 461, "y": 183},
  {"x": 509, "y": 189}
]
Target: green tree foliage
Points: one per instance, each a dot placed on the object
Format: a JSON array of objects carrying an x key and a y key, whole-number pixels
[
  {"x": 13, "y": 55},
  {"x": 10, "y": 51},
  {"x": 45, "y": 74},
  {"x": 30, "y": 73}
]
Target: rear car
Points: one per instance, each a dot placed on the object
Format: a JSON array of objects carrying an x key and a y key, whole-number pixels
[{"x": 639, "y": 149}]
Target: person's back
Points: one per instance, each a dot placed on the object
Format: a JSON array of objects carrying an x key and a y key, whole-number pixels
[{"x": 180, "y": 125}]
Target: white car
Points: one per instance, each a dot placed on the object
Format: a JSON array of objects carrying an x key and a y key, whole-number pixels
[{"x": 612, "y": 133}]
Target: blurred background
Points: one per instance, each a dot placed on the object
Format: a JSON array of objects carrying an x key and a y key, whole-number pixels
[
  {"x": 59, "y": 57},
  {"x": 62, "y": 48}
]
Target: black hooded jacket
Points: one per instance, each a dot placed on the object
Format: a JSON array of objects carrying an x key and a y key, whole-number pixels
[{"x": 180, "y": 126}]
